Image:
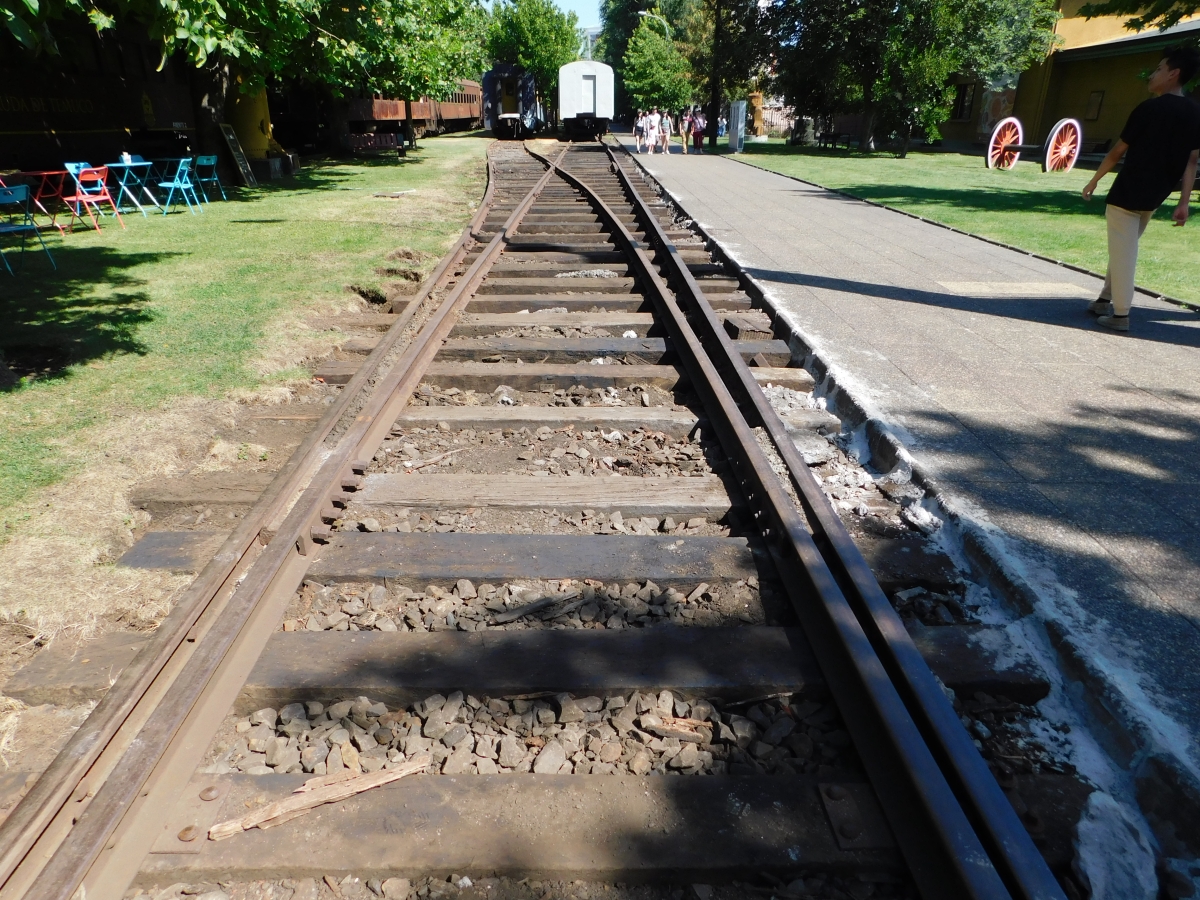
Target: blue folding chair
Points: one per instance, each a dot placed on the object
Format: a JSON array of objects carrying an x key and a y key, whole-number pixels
[
  {"x": 181, "y": 182},
  {"x": 19, "y": 223},
  {"x": 206, "y": 173}
]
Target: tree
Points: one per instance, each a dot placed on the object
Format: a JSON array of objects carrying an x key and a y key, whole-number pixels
[
  {"x": 891, "y": 61},
  {"x": 405, "y": 47},
  {"x": 656, "y": 74},
  {"x": 537, "y": 36},
  {"x": 1153, "y": 14},
  {"x": 739, "y": 49}
]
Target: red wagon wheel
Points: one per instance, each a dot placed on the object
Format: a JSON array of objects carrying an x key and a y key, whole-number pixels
[
  {"x": 1063, "y": 146},
  {"x": 1006, "y": 133}
]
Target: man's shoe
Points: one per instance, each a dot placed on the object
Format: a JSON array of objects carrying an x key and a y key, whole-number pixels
[
  {"x": 1115, "y": 323},
  {"x": 1100, "y": 307}
]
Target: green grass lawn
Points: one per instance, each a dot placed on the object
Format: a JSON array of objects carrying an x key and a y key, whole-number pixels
[
  {"x": 1041, "y": 213},
  {"x": 179, "y": 306}
]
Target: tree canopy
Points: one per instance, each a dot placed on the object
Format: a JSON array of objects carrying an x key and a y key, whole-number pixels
[
  {"x": 656, "y": 74},
  {"x": 536, "y": 35},
  {"x": 1143, "y": 15},
  {"x": 892, "y": 61},
  {"x": 396, "y": 47}
]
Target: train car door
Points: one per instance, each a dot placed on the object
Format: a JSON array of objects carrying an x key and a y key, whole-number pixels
[
  {"x": 508, "y": 97},
  {"x": 588, "y": 105}
]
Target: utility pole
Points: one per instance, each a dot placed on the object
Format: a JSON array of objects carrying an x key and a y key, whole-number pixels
[{"x": 714, "y": 102}]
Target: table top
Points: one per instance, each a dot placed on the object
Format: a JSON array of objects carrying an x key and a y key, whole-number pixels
[{"x": 129, "y": 165}]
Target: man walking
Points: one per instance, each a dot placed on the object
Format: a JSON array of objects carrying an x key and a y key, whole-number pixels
[{"x": 1162, "y": 137}]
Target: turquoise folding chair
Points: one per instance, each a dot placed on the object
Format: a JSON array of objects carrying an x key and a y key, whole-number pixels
[
  {"x": 206, "y": 173},
  {"x": 19, "y": 222},
  {"x": 181, "y": 182}
]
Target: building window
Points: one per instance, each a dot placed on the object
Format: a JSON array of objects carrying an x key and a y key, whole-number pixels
[
  {"x": 1094, "y": 103},
  {"x": 964, "y": 94}
]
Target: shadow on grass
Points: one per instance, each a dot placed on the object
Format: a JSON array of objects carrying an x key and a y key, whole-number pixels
[
  {"x": 89, "y": 308},
  {"x": 317, "y": 175},
  {"x": 1055, "y": 198}
]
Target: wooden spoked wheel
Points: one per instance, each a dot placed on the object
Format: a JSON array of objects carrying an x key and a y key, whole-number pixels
[
  {"x": 1008, "y": 132},
  {"x": 1063, "y": 146}
]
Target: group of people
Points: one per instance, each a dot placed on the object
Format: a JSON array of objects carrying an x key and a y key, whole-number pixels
[{"x": 653, "y": 130}]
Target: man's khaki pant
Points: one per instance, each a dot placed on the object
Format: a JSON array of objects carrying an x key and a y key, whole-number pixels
[{"x": 1125, "y": 226}]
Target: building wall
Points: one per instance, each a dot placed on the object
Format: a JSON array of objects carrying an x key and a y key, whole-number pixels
[
  {"x": 1077, "y": 31},
  {"x": 1118, "y": 77}
]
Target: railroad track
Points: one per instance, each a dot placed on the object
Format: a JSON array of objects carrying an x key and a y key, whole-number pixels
[{"x": 551, "y": 543}]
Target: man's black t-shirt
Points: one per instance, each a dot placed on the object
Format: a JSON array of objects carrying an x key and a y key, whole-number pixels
[{"x": 1161, "y": 134}]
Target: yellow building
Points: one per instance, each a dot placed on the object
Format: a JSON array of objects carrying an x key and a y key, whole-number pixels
[{"x": 1096, "y": 75}]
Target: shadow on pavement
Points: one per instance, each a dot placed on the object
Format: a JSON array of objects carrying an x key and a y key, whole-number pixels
[{"x": 1167, "y": 326}]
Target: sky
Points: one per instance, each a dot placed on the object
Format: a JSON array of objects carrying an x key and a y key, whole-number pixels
[{"x": 587, "y": 10}]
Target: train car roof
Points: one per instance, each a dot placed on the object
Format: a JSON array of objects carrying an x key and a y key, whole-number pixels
[{"x": 586, "y": 65}]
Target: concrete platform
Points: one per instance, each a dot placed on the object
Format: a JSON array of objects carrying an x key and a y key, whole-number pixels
[{"x": 1066, "y": 453}]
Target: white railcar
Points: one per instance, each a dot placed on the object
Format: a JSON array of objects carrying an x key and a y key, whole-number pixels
[{"x": 585, "y": 98}]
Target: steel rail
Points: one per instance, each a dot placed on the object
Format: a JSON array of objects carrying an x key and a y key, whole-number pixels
[
  {"x": 1008, "y": 843},
  {"x": 69, "y": 863},
  {"x": 944, "y": 855},
  {"x": 64, "y": 780}
]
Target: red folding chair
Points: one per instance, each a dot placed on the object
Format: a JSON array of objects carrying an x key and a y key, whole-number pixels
[{"x": 91, "y": 190}]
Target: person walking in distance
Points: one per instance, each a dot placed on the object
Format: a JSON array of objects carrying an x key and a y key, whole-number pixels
[
  {"x": 1160, "y": 143},
  {"x": 653, "y": 124},
  {"x": 666, "y": 132},
  {"x": 639, "y": 130},
  {"x": 699, "y": 126},
  {"x": 685, "y": 128}
]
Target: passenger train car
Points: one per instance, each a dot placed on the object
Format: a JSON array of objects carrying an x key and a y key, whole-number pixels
[
  {"x": 378, "y": 123},
  {"x": 585, "y": 99},
  {"x": 510, "y": 105}
]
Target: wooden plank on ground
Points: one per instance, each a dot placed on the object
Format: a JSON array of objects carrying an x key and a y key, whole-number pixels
[
  {"x": 178, "y": 551},
  {"x": 400, "y": 668},
  {"x": 505, "y": 303},
  {"x": 209, "y": 489},
  {"x": 481, "y": 376},
  {"x": 966, "y": 658},
  {"x": 442, "y": 559},
  {"x": 675, "y": 422},
  {"x": 337, "y": 371},
  {"x": 906, "y": 562},
  {"x": 618, "y": 285},
  {"x": 375, "y": 321},
  {"x": 811, "y": 420},
  {"x": 972, "y": 658},
  {"x": 796, "y": 379},
  {"x": 603, "y": 828},
  {"x": 685, "y": 497},
  {"x": 648, "y": 349},
  {"x": 80, "y": 675},
  {"x": 480, "y": 324}
]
